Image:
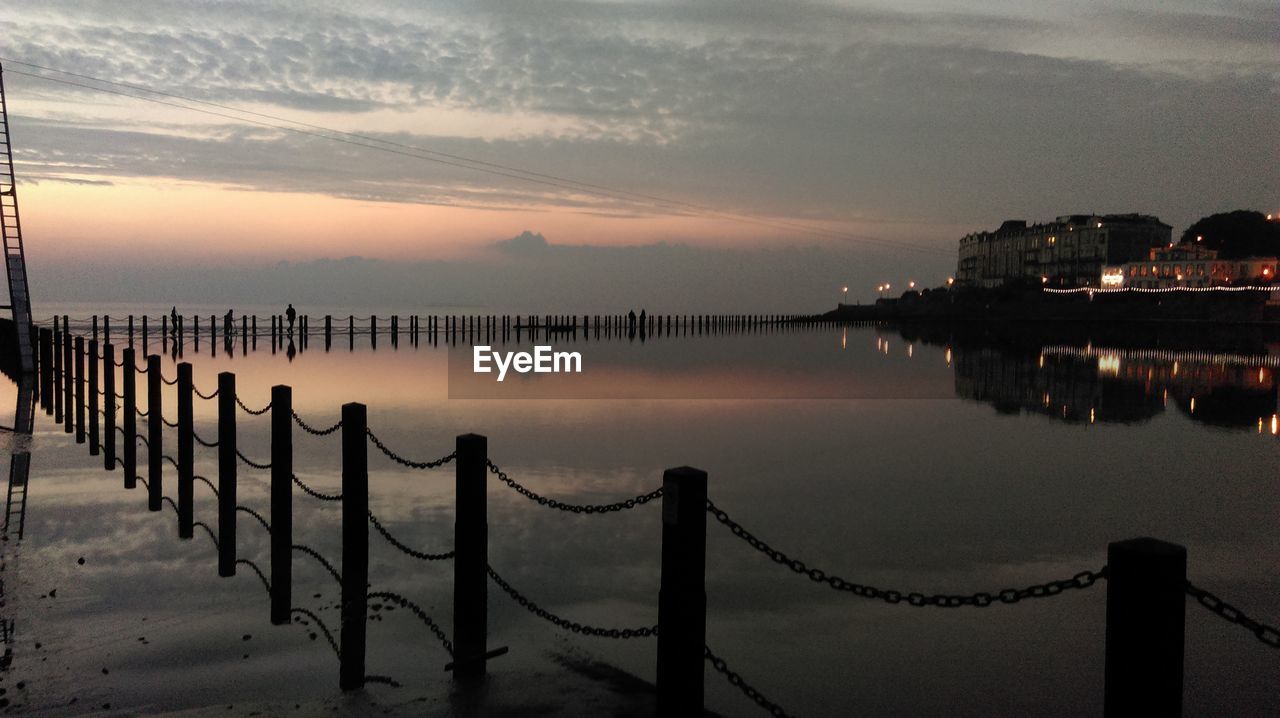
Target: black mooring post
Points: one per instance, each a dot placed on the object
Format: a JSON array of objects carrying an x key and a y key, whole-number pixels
[
  {"x": 186, "y": 452},
  {"x": 1146, "y": 606},
  {"x": 471, "y": 560},
  {"x": 328, "y": 331},
  {"x": 106, "y": 328},
  {"x": 79, "y": 390},
  {"x": 373, "y": 331},
  {"x": 58, "y": 373},
  {"x": 129, "y": 445},
  {"x": 682, "y": 598},
  {"x": 355, "y": 544},
  {"x": 46, "y": 370},
  {"x": 226, "y": 474},
  {"x": 94, "y": 437},
  {"x": 109, "y": 404},
  {"x": 281, "y": 503},
  {"x": 155, "y": 434},
  {"x": 68, "y": 382}
]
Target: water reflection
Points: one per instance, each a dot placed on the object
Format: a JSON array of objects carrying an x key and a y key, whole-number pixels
[{"x": 1127, "y": 380}]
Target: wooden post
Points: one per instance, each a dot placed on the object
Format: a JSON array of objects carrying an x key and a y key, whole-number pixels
[
  {"x": 328, "y": 331},
  {"x": 186, "y": 452},
  {"x": 227, "y": 474},
  {"x": 46, "y": 370},
  {"x": 109, "y": 405},
  {"x": 155, "y": 434},
  {"x": 373, "y": 331},
  {"x": 94, "y": 437},
  {"x": 129, "y": 446},
  {"x": 682, "y": 598},
  {"x": 106, "y": 328},
  {"x": 1146, "y": 606},
  {"x": 79, "y": 390},
  {"x": 281, "y": 503},
  {"x": 355, "y": 544},
  {"x": 95, "y": 326},
  {"x": 68, "y": 380},
  {"x": 471, "y": 561},
  {"x": 144, "y": 334},
  {"x": 130, "y": 330}
]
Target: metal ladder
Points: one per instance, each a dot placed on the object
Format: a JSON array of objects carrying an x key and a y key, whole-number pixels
[{"x": 14, "y": 255}]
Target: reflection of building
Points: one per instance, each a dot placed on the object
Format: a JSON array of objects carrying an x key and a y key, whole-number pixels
[
  {"x": 1072, "y": 250},
  {"x": 1188, "y": 266},
  {"x": 1085, "y": 384}
]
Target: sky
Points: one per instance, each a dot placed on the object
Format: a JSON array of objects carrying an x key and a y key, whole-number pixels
[{"x": 711, "y": 154}]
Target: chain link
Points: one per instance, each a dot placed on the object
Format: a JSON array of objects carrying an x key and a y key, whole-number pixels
[
  {"x": 256, "y": 515},
  {"x": 202, "y": 442},
  {"x": 315, "y": 494},
  {"x": 403, "y": 602},
  {"x": 982, "y": 599},
  {"x": 328, "y": 635},
  {"x": 206, "y": 397},
  {"x": 1267, "y": 634},
  {"x": 251, "y": 462},
  {"x": 736, "y": 681},
  {"x": 409, "y": 462},
  {"x": 574, "y": 626},
  {"x": 323, "y": 561},
  {"x": 312, "y": 430},
  {"x": 630, "y": 503},
  {"x": 377, "y": 525},
  {"x": 252, "y": 412},
  {"x": 208, "y": 483}
]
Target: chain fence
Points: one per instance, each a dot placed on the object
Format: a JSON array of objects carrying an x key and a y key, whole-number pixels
[
  {"x": 328, "y": 635},
  {"x": 208, "y": 483},
  {"x": 550, "y": 503},
  {"x": 736, "y": 681},
  {"x": 982, "y": 599},
  {"x": 312, "y": 430},
  {"x": 1269, "y": 635},
  {"x": 573, "y": 626},
  {"x": 323, "y": 561},
  {"x": 414, "y": 608},
  {"x": 253, "y": 412},
  {"x": 256, "y": 515},
  {"x": 202, "y": 395},
  {"x": 316, "y": 494},
  {"x": 251, "y": 462},
  {"x": 423, "y": 556},
  {"x": 202, "y": 442},
  {"x": 409, "y": 462}
]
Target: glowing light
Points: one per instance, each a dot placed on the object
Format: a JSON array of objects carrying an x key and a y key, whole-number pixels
[
  {"x": 911, "y": 284},
  {"x": 911, "y": 350},
  {"x": 1044, "y": 279},
  {"x": 1199, "y": 237},
  {"x": 1275, "y": 424},
  {"x": 1193, "y": 405},
  {"x": 1109, "y": 364},
  {"x": 1092, "y": 414},
  {"x": 948, "y": 356},
  {"x": 951, "y": 281}
]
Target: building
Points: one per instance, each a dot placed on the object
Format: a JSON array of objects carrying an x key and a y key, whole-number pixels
[
  {"x": 1189, "y": 266},
  {"x": 1069, "y": 251}
]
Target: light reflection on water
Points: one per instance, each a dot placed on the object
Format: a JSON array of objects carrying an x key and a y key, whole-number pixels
[{"x": 1019, "y": 472}]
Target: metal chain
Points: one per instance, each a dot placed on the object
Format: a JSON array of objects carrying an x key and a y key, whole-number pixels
[
  {"x": 173, "y": 382},
  {"x": 256, "y": 515},
  {"x": 247, "y": 410},
  {"x": 207, "y": 530},
  {"x": 171, "y": 460},
  {"x": 409, "y": 462},
  {"x": 316, "y": 494},
  {"x": 265, "y": 583},
  {"x": 736, "y": 681},
  {"x": 982, "y": 599},
  {"x": 630, "y": 503},
  {"x": 328, "y": 635},
  {"x": 202, "y": 442},
  {"x": 403, "y": 602},
  {"x": 208, "y": 483},
  {"x": 323, "y": 561},
  {"x": 1269, "y": 635},
  {"x": 312, "y": 430},
  {"x": 377, "y": 525},
  {"x": 251, "y": 462},
  {"x": 165, "y": 421},
  {"x": 574, "y": 626},
  {"x": 206, "y": 397}
]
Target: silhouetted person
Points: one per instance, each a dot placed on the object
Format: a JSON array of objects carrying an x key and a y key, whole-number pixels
[
  {"x": 642, "y": 319},
  {"x": 631, "y": 320},
  {"x": 228, "y": 324},
  {"x": 173, "y": 319},
  {"x": 291, "y": 314}
]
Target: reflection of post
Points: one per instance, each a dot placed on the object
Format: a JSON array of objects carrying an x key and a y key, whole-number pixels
[
  {"x": 129, "y": 446},
  {"x": 355, "y": 544},
  {"x": 1146, "y": 607},
  {"x": 79, "y": 390},
  {"x": 682, "y": 597},
  {"x": 281, "y": 502},
  {"x": 46, "y": 370},
  {"x": 109, "y": 404},
  {"x": 93, "y": 398},
  {"x": 67, "y": 363},
  {"x": 227, "y": 474},
  {"x": 471, "y": 560},
  {"x": 186, "y": 452},
  {"x": 155, "y": 434}
]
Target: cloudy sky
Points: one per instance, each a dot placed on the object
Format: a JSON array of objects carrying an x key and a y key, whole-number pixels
[{"x": 858, "y": 140}]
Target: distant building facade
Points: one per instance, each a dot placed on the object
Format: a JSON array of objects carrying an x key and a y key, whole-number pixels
[
  {"x": 1189, "y": 266},
  {"x": 1069, "y": 251}
]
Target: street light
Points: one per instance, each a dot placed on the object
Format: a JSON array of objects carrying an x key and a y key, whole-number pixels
[
  {"x": 911, "y": 284},
  {"x": 845, "y": 290},
  {"x": 951, "y": 281}
]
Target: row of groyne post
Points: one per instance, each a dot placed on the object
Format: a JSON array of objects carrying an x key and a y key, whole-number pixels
[
  {"x": 435, "y": 329},
  {"x": 1147, "y": 586}
]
